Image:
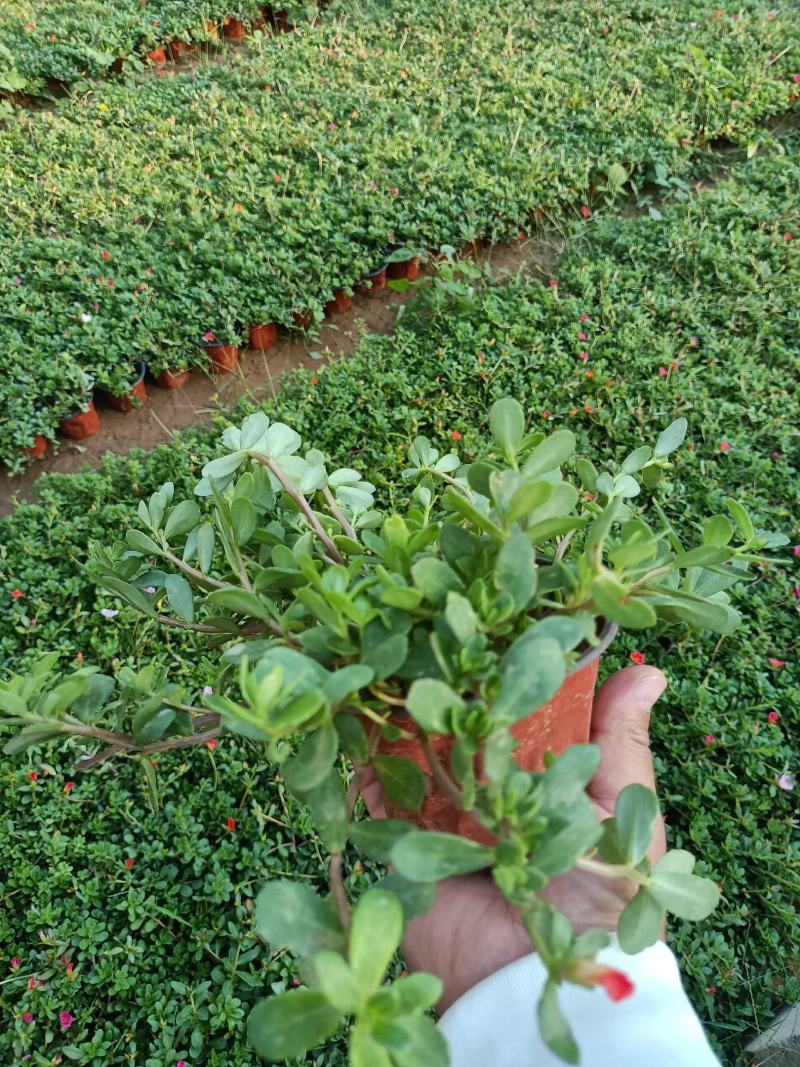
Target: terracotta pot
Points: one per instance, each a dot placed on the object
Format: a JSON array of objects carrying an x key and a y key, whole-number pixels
[
  {"x": 133, "y": 398},
  {"x": 264, "y": 336},
  {"x": 407, "y": 268},
  {"x": 303, "y": 320},
  {"x": 172, "y": 378},
  {"x": 233, "y": 29},
  {"x": 372, "y": 283},
  {"x": 563, "y": 721},
  {"x": 341, "y": 302},
  {"x": 224, "y": 358},
  {"x": 80, "y": 425},
  {"x": 38, "y": 448},
  {"x": 177, "y": 49},
  {"x": 158, "y": 56}
]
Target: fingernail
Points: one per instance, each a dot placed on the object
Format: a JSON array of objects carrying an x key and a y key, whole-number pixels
[{"x": 649, "y": 686}]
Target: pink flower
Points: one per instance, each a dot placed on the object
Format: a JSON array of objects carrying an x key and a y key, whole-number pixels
[
  {"x": 583, "y": 355},
  {"x": 181, "y": 1063},
  {"x": 773, "y": 717},
  {"x": 796, "y": 550},
  {"x": 553, "y": 283},
  {"x": 585, "y": 212},
  {"x": 581, "y": 335},
  {"x": 796, "y": 78},
  {"x": 108, "y": 613},
  {"x": 209, "y": 336},
  {"x": 16, "y": 963},
  {"x": 724, "y": 446},
  {"x": 787, "y": 236},
  {"x": 776, "y": 663},
  {"x": 65, "y": 1020},
  {"x": 17, "y": 280},
  {"x": 33, "y": 982},
  {"x": 393, "y": 192},
  {"x": 211, "y": 744},
  {"x": 27, "y": 1017},
  {"x": 709, "y": 739},
  {"x": 150, "y": 589},
  {"x": 207, "y": 690},
  {"x": 638, "y": 657},
  {"x": 797, "y": 591},
  {"x": 584, "y": 317},
  {"x": 331, "y": 125},
  {"x": 663, "y": 371},
  {"x": 786, "y": 781}
]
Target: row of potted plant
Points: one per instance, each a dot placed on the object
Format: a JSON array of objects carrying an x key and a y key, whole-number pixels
[{"x": 268, "y": 181}]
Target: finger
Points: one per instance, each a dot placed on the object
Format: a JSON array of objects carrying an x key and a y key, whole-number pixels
[
  {"x": 372, "y": 793},
  {"x": 621, "y": 729}
]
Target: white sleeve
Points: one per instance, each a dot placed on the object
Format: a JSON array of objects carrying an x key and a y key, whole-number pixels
[{"x": 494, "y": 1023}]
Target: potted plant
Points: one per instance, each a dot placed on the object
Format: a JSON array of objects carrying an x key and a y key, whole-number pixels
[
  {"x": 82, "y": 423},
  {"x": 340, "y": 302},
  {"x": 433, "y": 645},
  {"x": 172, "y": 378},
  {"x": 374, "y": 281},
  {"x": 38, "y": 448},
  {"x": 131, "y": 398},
  {"x": 402, "y": 264},
  {"x": 263, "y": 337},
  {"x": 224, "y": 355}
]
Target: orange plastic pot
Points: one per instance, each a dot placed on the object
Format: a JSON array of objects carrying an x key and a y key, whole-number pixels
[
  {"x": 563, "y": 721},
  {"x": 158, "y": 56},
  {"x": 133, "y": 398},
  {"x": 407, "y": 268},
  {"x": 372, "y": 283},
  {"x": 224, "y": 358},
  {"x": 81, "y": 425},
  {"x": 233, "y": 29},
  {"x": 264, "y": 336},
  {"x": 39, "y": 447},
  {"x": 172, "y": 378},
  {"x": 177, "y": 49},
  {"x": 340, "y": 303}
]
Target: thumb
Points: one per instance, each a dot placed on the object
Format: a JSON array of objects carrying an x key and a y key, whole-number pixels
[{"x": 620, "y": 728}]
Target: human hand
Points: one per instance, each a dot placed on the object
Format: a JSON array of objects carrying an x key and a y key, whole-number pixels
[{"x": 472, "y": 931}]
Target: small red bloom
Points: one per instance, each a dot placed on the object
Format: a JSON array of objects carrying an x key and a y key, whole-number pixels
[
  {"x": 584, "y": 317},
  {"x": 787, "y": 236},
  {"x": 553, "y": 283},
  {"x": 211, "y": 744},
  {"x": 68, "y": 787},
  {"x": 709, "y": 739},
  {"x": 663, "y": 371},
  {"x": 638, "y": 657},
  {"x": 712, "y": 989},
  {"x": 209, "y": 336},
  {"x": 773, "y": 717},
  {"x": 393, "y": 192},
  {"x": 277, "y": 178},
  {"x": 16, "y": 594},
  {"x": 585, "y": 212},
  {"x": 724, "y": 446},
  {"x": 33, "y": 775},
  {"x": 674, "y": 364},
  {"x": 237, "y": 207},
  {"x": 16, "y": 963},
  {"x": 110, "y": 283},
  {"x": 128, "y": 863},
  {"x": 583, "y": 355},
  {"x": 776, "y": 663},
  {"x": 456, "y": 435},
  {"x": 314, "y": 381},
  {"x": 589, "y": 973},
  {"x": 690, "y": 446},
  {"x": 545, "y": 414},
  {"x": 588, "y": 409},
  {"x": 521, "y": 235},
  {"x": 617, "y": 985},
  {"x": 230, "y": 824},
  {"x": 581, "y": 335},
  {"x": 590, "y": 374},
  {"x": 27, "y": 1017}
]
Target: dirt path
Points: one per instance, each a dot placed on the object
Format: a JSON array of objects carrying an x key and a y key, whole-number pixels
[{"x": 258, "y": 375}]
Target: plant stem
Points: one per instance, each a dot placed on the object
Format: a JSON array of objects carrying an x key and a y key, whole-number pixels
[
  {"x": 612, "y": 870},
  {"x": 202, "y": 628},
  {"x": 338, "y": 890},
  {"x": 338, "y": 514},
  {"x": 303, "y": 505},
  {"x": 439, "y": 774},
  {"x": 197, "y": 576}
]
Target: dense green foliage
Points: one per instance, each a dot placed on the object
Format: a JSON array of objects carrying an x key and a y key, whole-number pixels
[
  {"x": 273, "y": 180},
  {"x": 719, "y": 269},
  {"x": 68, "y": 40}
]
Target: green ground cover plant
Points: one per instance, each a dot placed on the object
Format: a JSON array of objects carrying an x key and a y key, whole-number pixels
[
  {"x": 68, "y": 41},
  {"x": 273, "y": 180},
  {"x": 686, "y": 288}
]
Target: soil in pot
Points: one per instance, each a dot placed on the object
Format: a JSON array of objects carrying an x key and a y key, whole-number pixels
[
  {"x": 158, "y": 56},
  {"x": 407, "y": 268},
  {"x": 38, "y": 448},
  {"x": 81, "y": 425},
  {"x": 563, "y": 721},
  {"x": 372, "y": 283},
  {"x": 224, "y": 358},
  {"x": 233, "y": 29},
  {"x": 173, "y": 378},
  {"x": 340, "y": 303},
  {"x": 133, "y": 398},
  {"x": 263, "y": 337}
]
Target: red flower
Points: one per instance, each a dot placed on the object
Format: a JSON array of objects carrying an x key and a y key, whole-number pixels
[
  {"x": 230, "y": 824},
  {"x": 209, "y": 336},
  {"x": 314, "y": 381},
  {"x": 128, "y": 863},
  {"x": 110, "y": 283},
  {"x": 545, "y": 414},
  {"x": 773, "y": 717},
  {"x": 393, "y": 192},
  {"x": 211, "y": 744},
  {"x": 584, "y": 317},
  {"x": 585, "y": 212},
  {"x": 712, "y": 989},
  {"x": 79, "y": 658},
  {"x": 663, "y": 371},
  {"x": 724, "y": 446},
  {"x": 27, "y": 1017},
  {"x": 638, "y": 657},
  {"x": 456, "y": 435},
  {"x": 581, "y": 335},
  {"x": 237, "y": 207},
  {"x": 33, "y": 775},
  {"x": 616, "y": 984},
  {"x": 583, "y": 355},
  {"x": 709, "y": 739},
  {"x": 590, "y": 374},
  {"x": 105, "y": 255},
  {"x": 589, "y": 973},
  {"x": 68, "y": 787},
  {"x": 16, "y": 594},
  {"x": 553, "y": 283},
  {"x": 776, "y": 663},
  {"x": 674, "y": 364},
  {"x": 521, "y": 235},
  {"x": 277, "y": 178}
]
